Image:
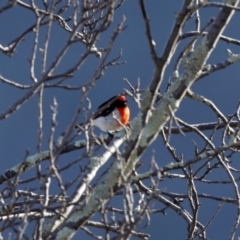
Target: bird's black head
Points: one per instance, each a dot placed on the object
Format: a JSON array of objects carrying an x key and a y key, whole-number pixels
[{"x": 120, "y": 102}]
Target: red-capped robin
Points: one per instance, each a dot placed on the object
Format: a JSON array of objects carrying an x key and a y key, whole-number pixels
[{"x": 112, "y": 115}]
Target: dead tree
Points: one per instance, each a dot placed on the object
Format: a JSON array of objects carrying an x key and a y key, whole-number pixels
[{"x": 121, "y": 182}]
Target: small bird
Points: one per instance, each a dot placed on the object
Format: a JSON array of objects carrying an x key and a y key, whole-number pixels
[{"x": 112, "y": 115}]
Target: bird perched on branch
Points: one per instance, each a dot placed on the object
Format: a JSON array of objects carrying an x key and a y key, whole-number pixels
[{"x": 111, "y": 116}]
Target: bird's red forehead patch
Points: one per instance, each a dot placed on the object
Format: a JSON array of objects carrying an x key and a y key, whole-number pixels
[{"x": 122, "y": 98}]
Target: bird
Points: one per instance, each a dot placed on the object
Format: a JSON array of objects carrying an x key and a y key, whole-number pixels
[{"x": 111, "y": 116}]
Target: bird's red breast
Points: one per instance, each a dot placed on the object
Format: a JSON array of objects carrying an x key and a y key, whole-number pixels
[{"x": 124, "y": 114}]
